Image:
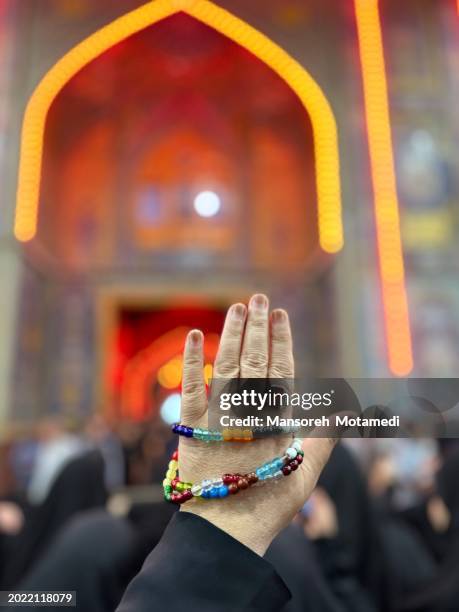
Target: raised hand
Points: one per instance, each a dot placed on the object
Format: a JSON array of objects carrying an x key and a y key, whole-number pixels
[{"x": 254, "y": 344}]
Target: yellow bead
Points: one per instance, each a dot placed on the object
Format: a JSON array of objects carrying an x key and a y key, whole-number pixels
[
  {"x": 171, "y": 474},
  {"x": 173, "y": 465},
  {"x": 227, "y": 435}
]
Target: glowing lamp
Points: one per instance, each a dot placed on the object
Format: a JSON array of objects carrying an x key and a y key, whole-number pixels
[{"x": 207, "y": 204}]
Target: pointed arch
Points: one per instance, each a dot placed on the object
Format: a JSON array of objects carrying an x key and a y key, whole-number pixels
[{"x": 323, "y": 122}]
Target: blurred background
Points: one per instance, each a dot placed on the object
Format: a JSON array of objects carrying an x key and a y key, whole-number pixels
[{"x": 178, "y": 161}]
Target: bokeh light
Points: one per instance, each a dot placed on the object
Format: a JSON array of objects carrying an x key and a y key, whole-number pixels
[
  {"x": 170, "y": 374},
  {"x": 207, "y": 204},
  {"x": 170, "y": 409}
]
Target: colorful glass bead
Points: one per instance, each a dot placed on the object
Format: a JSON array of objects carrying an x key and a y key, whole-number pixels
[
  {"x": 291, "y": 453},
  {"x": 242, "y": 483},
  {"x": 196, "y": 490},
  {"x": 297, "y": 445},
  {"x": 206, "y": 485}
]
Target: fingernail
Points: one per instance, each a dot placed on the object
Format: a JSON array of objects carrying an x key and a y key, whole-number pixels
[
  {"x": 279, "y": 316},
  {"x": 237, "y": 312},
  {"x": 259, "y": 302},
  {"x": 195, "y": 338}
]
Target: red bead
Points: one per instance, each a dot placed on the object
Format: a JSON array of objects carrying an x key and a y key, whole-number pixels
[
  {"x": 175, "y": 455},
  {"x": 252, "y": 478},
  {"x": 175, "y": 498},
  {"x": 286, "y": 470},
  {"x": 299, "y": 459},
  {"x": 294, "y": 465},
  {"x": 233, "y": 488},
  {"x": 174, "y": 483},
  {"x": 186, "y": 495},
  {"x": 242, "y": 483},
  {"x": 228, "y": 478}
]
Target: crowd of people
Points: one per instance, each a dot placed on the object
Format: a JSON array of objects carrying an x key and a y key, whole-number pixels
[{"x": 81, "y": 509}]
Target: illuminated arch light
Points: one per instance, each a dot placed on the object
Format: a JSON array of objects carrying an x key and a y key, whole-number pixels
[
  {"x": 146, "y": 364},
  {"x": 391, "y": 264},
  {"x": 208, "y": 370},
  {"x": 322, "y": 119},
  {"x": 144, "y": 368},
  {"x": 170, "y": 374}
]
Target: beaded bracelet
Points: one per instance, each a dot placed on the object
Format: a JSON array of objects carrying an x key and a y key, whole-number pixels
[
  {"x": 230, "y": 434},
  {"x": 177, "y": 491}
]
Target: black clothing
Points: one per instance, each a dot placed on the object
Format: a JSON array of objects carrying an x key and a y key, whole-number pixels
[
  {"x": 90, "y": 556},
  {"x": 294, "y": 559},
  {"x": 79, "y": 487},
  {"x": 197, "y": 566},
  {"x": 352, "y": 561},
  {"x": 97, "y": 555},
  {"x": 441, "y": 593}
]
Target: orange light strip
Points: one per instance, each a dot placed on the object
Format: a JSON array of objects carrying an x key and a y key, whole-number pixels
[
  {"x": 391, "y": 264},
  {"x": 316, "y": 104}
]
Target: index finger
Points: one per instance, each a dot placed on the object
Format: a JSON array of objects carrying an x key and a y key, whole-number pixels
[{"x": 194, "y": 397}]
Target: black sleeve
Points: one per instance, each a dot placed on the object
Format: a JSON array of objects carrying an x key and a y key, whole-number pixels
[{"x": 197, "y": 566}]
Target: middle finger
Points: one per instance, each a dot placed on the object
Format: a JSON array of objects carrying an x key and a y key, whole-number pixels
[{"x": 255, "y": 348}]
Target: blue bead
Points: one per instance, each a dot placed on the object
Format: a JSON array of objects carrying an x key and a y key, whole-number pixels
[
  {"x": 214, "y": 493},
  {"x": 188, "y": 432},
  {"x": 205, "y": 494},
  {"x": 223, "y": 491}
]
